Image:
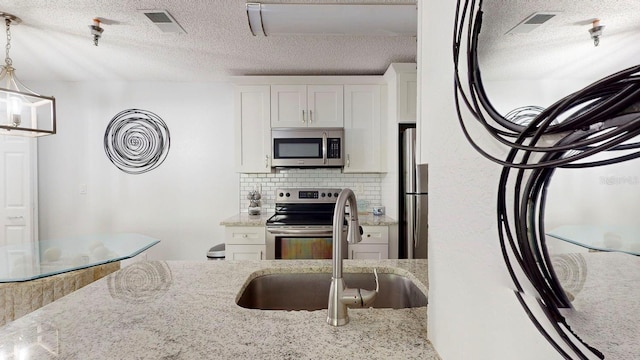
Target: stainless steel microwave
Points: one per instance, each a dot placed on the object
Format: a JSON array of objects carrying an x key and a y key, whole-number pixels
[{"x": 307, "y": 147}]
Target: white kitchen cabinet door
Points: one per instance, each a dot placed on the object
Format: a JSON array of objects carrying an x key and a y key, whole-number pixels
[
  {"x": 245, "y": 252},
  {"x": 294, "y": 106},
  {"x": 289, "y": 106},
  {"x": 362, "y": 129},
  {"x": 326, "y": 105},
  {"x": 253, "y": 131},
  {"x": 245, "y": 242},
  {"x": 369, "y": 251},
  {"x": 407, "y": 97},
  {"x": 374, "y": 244}
]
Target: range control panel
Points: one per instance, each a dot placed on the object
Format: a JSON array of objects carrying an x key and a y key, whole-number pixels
[{"x": 307, "y": 195}]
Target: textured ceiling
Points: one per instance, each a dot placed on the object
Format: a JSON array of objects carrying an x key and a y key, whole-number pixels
[
  {"x": 562, "y": 47},
  {"x": 54, "y": 42}
]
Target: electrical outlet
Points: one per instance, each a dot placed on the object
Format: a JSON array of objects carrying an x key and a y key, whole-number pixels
[
  {"x": 83, "y": 189},
  {"x": 359, "y": 189}
]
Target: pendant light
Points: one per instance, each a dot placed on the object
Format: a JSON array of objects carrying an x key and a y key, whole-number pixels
[{"x": 22, "y": 111}]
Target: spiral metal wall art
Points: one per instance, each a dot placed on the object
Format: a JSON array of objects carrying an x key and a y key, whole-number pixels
[
  {"x": 136, "y": 141},
  {"x": 571, "y": 270},
  {"x": 602, "y": 117}
]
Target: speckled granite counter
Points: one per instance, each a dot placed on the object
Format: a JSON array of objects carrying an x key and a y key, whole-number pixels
[
  {"x": 606, "y": 308},
  {"x": 244, "y": 219},
  {"x": 187, "y": 310}
]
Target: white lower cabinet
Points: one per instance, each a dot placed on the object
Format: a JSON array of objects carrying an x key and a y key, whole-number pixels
[
  {"x": 374, "y": 244},
  {"x": 245, "y": 243},
  {"x": 245, "y": 252}
]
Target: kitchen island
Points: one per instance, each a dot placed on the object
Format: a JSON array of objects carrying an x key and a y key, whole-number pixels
[{"x": 188, "y": 310}]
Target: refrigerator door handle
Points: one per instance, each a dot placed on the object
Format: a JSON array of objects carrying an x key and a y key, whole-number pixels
[
  {"x": 411, "y": 224},
  {"x": 418, "y": 217}
]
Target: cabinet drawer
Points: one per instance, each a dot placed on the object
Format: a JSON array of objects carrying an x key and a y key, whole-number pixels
[
  {"x": 375, "y": 235},
  {"x": 245, "y": 235}
]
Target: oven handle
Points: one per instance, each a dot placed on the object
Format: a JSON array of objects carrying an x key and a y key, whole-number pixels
[{"x": 300, "y": 231}]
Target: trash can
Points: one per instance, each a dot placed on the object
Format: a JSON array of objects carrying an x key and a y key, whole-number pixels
[{"x": 216, "y": 252}]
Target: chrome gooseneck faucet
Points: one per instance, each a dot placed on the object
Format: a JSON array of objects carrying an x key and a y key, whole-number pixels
[{"x": 341, "y": 297}]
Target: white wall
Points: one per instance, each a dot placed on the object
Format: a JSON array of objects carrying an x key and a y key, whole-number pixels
[
  {"x": 181, "y": 202},
  {"x": 473, "y": 313}
]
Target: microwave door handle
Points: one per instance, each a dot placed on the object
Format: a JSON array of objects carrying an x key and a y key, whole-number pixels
[{"x": 324, "y": 147}]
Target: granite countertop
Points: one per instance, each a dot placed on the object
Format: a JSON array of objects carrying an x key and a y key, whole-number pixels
[
  {"x": 606, "y": 309},
  {"x": 244, "y": 219},
  {"x": 187, "y": 310}
]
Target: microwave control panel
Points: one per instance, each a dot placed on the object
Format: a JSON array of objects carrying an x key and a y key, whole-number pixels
[{"x": 333, "y": 148}]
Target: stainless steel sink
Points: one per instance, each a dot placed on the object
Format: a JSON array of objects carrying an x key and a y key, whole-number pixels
[{"x": 310, "y": 291}]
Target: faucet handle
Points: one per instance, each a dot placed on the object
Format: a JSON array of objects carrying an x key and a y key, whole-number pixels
[{"x": 369, "y": 296}]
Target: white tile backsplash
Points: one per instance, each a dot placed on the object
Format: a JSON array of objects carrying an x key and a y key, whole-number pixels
[{"x": 366, "y": 186}]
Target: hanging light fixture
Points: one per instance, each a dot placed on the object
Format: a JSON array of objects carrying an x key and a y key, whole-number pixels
[
  {"x": 596, "y": 31},
  {"x": 22, "y": 111}
]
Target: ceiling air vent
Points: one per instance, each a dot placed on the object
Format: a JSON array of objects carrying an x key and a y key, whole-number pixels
[
  {"x": 164, "y": 21},
  {"x": 532, "y": 21}
]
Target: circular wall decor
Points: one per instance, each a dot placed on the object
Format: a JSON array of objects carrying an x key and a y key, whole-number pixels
[
  {"x": 601, "y": 118},
  {"x": 136, "y": 141}
]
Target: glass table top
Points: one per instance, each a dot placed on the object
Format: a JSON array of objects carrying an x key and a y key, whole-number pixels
[
  {"x": 22, "y": 262},
  {"x": 620, "y": 238}
]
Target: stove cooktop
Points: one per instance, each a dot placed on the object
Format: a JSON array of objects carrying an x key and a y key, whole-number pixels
[
  {"x": 304, "y": 207},
  {"x": 300, "y": 220}
]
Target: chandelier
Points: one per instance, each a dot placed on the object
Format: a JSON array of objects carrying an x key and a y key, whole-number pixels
[{"x": 22, "y": 111}]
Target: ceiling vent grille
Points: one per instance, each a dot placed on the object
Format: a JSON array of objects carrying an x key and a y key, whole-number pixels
[
  {"x": 164, "y": 21},
  {"x": 532, "y": 22}
]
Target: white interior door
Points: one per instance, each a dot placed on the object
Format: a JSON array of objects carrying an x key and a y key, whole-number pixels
[{"x": 18, "y": 204}]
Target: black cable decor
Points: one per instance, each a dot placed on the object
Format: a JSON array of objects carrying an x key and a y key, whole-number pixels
[
  {"x": 604, "y": 116},
  {"x": 136, "y": 141}
]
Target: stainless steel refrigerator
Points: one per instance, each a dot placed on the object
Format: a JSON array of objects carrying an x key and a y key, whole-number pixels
[{"x": 414, "y": 188}]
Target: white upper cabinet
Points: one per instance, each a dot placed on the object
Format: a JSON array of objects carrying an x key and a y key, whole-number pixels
[
  {"x": 403, "y": 92},
  {"x": 253, "y": 131},
  {"x": 407, "y": 97},
  {"x": 362, "y": 129},
  {"x": 307, "y": 106}
]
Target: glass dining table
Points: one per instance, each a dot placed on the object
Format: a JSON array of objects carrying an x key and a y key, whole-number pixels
[
  {"x": 618, "y": 238},
  {"x": 24, "y": 262}
]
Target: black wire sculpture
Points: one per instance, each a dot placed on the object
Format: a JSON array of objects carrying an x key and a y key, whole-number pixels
[
  {"x": 604, "y": 116},
  {"x": 137, "y": 141}
]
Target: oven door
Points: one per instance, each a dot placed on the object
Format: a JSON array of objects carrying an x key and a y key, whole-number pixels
[{"x": 298, "y": 243}]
